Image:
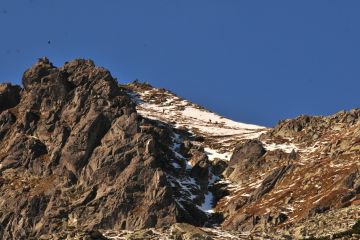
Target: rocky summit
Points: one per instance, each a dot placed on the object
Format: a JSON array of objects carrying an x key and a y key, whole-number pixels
[{"x": 84, "y": 157}]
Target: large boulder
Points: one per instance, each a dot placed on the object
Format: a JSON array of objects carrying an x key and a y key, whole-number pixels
[{"x": 247, "y": 154}]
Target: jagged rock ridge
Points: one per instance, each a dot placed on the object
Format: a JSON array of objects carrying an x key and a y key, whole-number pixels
[
  {"x": 79, "y": 153},
  {"x": 271, "y": 179},
  {"x": 76, "y": 155}
]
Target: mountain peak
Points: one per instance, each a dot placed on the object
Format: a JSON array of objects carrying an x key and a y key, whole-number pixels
[{"x": 83, "y": 156}]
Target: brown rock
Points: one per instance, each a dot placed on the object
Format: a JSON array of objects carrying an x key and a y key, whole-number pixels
[
  {"x": 9, "y": 96},
  {"x": 77, "y": 149}
]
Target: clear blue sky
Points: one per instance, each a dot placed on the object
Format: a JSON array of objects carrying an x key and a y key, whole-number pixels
[{"x": 252, "y": 61}]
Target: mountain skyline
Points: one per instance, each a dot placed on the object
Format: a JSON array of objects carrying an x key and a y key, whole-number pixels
[
  {"x": 83, "y": 157},
  {"x": 254, "y": 63}
]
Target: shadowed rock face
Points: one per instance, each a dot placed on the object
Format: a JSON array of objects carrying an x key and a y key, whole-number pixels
[
  {"x": 9, "y": 96},
  {"x": 73, "y": 155}
]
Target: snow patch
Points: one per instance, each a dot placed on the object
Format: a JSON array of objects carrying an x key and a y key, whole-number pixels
[
  {"x": 213, "y": 154},
  {"x": 223, "y": 133},
  {"x": 207, "y": 205},
  {"x": 288, "y": 148}
]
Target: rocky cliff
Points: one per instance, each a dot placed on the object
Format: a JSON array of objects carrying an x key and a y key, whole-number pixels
[
  {"x": 82, "y": 157},
  {"x": 76, "y": 155}
]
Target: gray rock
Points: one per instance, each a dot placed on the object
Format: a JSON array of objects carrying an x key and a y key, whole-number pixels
[
  {"x": 247, "y": 154},
  {"x": 81, "y": 158}
]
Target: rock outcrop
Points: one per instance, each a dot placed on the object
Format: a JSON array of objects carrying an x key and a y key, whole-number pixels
[
  {"x": 302, "y": 168},
  {"x": 82, "y": 157},
  {"x": 74, "y": 154},
  {"x": 9, "y": 96}
]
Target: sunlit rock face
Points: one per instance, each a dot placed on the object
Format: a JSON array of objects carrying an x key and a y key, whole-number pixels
[
  {"x": 82, "y": 157},
  {"x": 75, "y": 154}
]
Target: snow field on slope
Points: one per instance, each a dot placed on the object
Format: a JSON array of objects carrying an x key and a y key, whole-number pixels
[{"x": 222, "y": 131}]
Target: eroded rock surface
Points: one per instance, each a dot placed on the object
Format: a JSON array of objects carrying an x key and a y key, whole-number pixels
[
  {"x": 302, "y": 168},
  {"x": 84, "y": 158},
  {"x": 9, "y": 96},
  {"x": 74, "y": 153}
]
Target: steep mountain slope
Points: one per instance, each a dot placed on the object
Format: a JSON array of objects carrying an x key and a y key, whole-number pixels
[
  {"x": 321, "y": 174},
  {"x": 301, "y": 168},
  {"x": 220, "y": 134},
  {"x": 74, "y": 154},
  {"x": 82, "y": 158}
]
